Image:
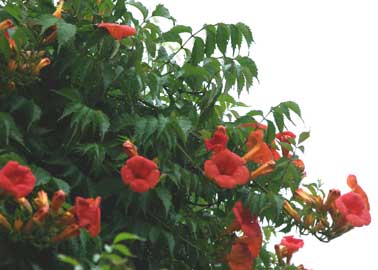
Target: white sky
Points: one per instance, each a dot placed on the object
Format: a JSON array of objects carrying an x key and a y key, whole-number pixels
[{"x": 323, "y": 55}]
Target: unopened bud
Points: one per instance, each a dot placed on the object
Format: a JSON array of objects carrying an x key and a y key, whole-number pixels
[
  {"x": 130, "y": 149},
  {"x": 24, "y": 203},
  {"x": 4, "y": 222},
  {"x": 58, "y": 200},
  {"x": 70, "y": 231},
  {"x": 309, "y": 220},
  {"x": 333, "y": 194},
  {"x": 291, "y": 211},
  {"x": 304, "y": 196},
  {"x": 5, "y": 24},
  {"x": 18, "y": 223},
  {"x": 265, "y": 168}
]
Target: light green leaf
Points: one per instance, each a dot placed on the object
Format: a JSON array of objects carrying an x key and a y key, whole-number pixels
[
  {"x": 123, "y": 250},
  {"x": 126, "y": 236}
]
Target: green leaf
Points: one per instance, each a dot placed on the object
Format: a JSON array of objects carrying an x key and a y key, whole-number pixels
[
  {"x": 123, "y": 250},
  {"x": 293, "y": 107},
  {"x": 236, "y": 37},
  {"x": 153, "y": 234},
  {"x": 271, "y": 132},
  {"x": 46, "y": 21},
  {"x": 171, "y": 242},
  {"x": 165, "y": 197},
  {"x": 246, "y": 32},
  {"x": 223, "y": 35},
  {"x": 278, "y": 118},
  {"x": 210, "y": 39},
  {"x": 82, "y": 117},
  {"x": 9, "y": 130},
  {"x": 31, "y": 112},
  {"x": 69, "y": 260},
  {"x": 43, "y": 177},
  {"x": 140, "y": 7},
  {"x": 126, "y": 236},
  {"x": 61, "y": 184},
  {"x": 66, "y": 32},
  {"x": 71, "y": 94},
  {"x": 303, "y": 136},
  {"x": 4, "y": 47},
  {"x": 198, "y": 51},
  {"x": 162, "y": 11},
  {"x": 93, "y": 152},
  {"x": 173, "y": 35},
  {"x": 14, "y": 11}
]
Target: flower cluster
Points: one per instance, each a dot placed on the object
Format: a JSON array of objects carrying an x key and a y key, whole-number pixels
[
  {"x": 246, "y": 247},
  {"x": 333, "y": 215},
  {"x": 42, "y": 215}
]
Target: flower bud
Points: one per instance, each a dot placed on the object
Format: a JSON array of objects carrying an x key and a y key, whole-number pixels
[
  {"x": 70, "y": 231},
  {"x": 4, "y": 25},
  {"x": 333, "y": 194},
  {"x": 18, "y": 223},
  {"x": 130, "y": 149},
  {"x": 58, "y": 200},
  {"x": 42, "y": 200},
  {"x": 4, "y": 222},
  {"x": 291, "y": 211},
  {"x": 12, "y": 65},
  {"x": 265, "y": 168},
  {"x": 309, "y": 220},
  {"x": 43, "y": 63},
  {"x": 24, "y": 203},
  {"x": 304, "y": 196}
]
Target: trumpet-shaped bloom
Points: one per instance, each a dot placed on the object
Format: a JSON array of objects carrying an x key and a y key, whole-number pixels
[
  {"x": 352, "y": 206},
  {"x": 259, "y": 152},
  {"x": 140, "y": 173},
  {"x": 16, "y": 179},
  {"x": 218, "y": 141},
  {"x": 118, "y": 31},
  {"x": 226, "y": 169},
  {"x": 240, "y": 258},
  {"x": 292, "y": 244},
  {"x": 88, "y": 214}
]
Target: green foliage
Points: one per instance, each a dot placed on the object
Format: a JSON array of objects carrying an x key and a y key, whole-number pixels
[{"x": 165, "y": 91}]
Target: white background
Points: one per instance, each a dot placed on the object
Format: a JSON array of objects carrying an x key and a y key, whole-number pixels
[{"x": 323, "y": 55}]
